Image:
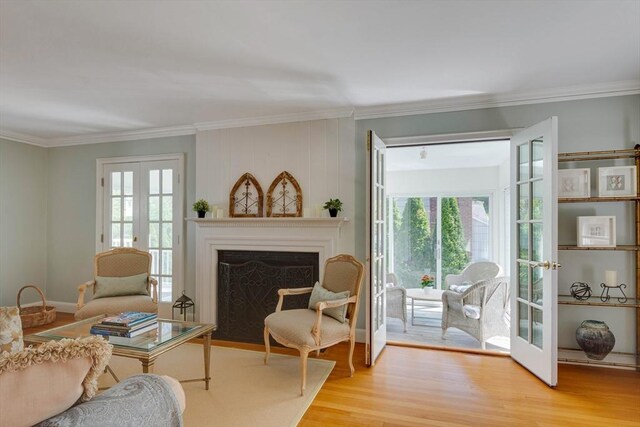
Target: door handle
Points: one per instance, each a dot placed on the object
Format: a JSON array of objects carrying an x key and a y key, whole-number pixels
[
  {"x": 548, "y": 265},
  {"x": 135, "y": 238}
]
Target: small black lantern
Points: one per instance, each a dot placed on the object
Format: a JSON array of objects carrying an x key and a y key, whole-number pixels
[{"x": 184, "y": 303}]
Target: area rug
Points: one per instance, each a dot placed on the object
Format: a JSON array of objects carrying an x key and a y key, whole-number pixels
[{"x": 242, "y": 392}]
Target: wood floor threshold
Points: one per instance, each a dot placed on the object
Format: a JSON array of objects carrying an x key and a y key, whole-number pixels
[{"x": 443, "y": 348}]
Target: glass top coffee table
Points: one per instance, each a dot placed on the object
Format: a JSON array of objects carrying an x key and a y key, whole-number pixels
[{"x": 145, "y": 347}]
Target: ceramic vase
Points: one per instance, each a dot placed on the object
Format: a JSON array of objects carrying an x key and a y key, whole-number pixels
[{"x": 595, "y": 339}]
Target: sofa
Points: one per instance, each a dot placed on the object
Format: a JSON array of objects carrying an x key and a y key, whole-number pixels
[{"x": 56, "y": 384}]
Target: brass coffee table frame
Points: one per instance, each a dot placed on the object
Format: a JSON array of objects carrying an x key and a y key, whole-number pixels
[{"x": 146, "y": 356}]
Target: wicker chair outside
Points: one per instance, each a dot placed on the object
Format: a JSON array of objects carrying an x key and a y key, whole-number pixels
[
  {"x": 473, "y": 273},
  {"x": 479, "y": 311},
  {"x": 396, "y": 299}
]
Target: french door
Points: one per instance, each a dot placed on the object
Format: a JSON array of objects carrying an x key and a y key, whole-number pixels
[
  {"x": 140, "y": 206},
  {"x": 376, "y": 248},
  {"x": 534, "y": 214}
]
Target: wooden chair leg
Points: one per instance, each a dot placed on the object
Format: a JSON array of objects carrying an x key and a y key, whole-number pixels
[
  {"x": 267, "y": 345},
  {"x": 352, "y": 343},
  {"x": 303, "y": 368}
]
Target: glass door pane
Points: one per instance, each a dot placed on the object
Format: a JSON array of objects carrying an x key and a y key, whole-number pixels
[{"x": 160, "y": 225}]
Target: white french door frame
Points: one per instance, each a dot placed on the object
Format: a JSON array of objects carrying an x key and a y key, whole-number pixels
[{"x": 178, "y": 229}]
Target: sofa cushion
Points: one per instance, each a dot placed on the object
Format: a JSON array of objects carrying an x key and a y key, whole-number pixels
[
  {"x": 10, "y": 330},
  {"x": 40, "y": 382},
  {"x": 118, "y": 286},
  {"x": 471, "y": 311},
  {"x": 320, "y": 294},
  {"x": 116, "y": 305}
]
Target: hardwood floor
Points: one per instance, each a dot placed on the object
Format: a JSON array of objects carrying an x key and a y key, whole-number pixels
[{"x": 418, "y": 387}]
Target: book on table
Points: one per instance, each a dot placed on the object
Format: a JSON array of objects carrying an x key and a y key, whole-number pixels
[
  {"x": 107, "y": 327},
  {"x": 128, "y": 318},
  {"x": 126, "y": 334}
]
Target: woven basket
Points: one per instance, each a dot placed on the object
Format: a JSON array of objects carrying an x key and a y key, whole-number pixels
[{"x": 35, "y": 315}]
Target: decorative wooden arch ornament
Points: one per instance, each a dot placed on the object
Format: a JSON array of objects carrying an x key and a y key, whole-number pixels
[
  {"x": 284, "y": 198},
  {"x": 246, "y": 199}
]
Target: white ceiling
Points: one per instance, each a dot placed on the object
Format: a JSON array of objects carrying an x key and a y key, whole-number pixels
[
  {"x": 71, "y": 68},
  {"x": 448, "y": 156}
]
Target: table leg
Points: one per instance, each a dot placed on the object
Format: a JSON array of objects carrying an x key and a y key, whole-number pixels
[
  {"x": 207, "y": 359},
  {"x": 413, "y": 311},
  {"x": 147, "y": 366}
]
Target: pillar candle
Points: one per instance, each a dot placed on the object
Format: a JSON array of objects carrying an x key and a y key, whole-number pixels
[
  {"x": 611, "y": 278},
  {"x": 219, "y": 213}
]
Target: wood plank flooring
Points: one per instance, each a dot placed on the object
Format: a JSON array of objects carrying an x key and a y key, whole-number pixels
[{"x": 418, "y": 387}]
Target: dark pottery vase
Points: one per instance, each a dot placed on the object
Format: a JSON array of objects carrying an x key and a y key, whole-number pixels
[
  {"x": 201, "y": 214},
  {"x": 595, "y": 339},
  {"x": 333, "y": 213}
]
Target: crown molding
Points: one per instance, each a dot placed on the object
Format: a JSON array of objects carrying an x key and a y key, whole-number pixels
[
  {"x": 25, "y": 139},
  {"x": 474, "y": 102},
  {"x": 132, "y": 135},
  {"x": 276, "y": 119}
]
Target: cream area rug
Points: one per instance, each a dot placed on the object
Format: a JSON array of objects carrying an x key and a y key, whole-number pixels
[{"x": 242, "y": 392}]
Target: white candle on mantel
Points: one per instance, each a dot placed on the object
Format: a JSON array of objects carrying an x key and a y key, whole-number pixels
[
  {"x": 611, "y": 278},
  {"x": 219, "y": 213}
]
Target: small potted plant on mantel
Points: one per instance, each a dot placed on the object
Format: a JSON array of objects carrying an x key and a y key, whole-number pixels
[
  {"x": 333, "y": 206},
  {"x": 202, "y": 207}
]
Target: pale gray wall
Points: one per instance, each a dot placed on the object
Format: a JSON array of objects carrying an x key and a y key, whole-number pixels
[
  {"x": 23, "y": 220},
  {"x": 592, "y": 124},
  {"x": 72, "y": 208}
]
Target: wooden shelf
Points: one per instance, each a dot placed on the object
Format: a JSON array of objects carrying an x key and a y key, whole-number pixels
[
  {"x": 615, "y": 358},
  {"x": 595, "y": 301},
  {"x": 631, "y": 248},
  {"x": 597, "y": 199}
]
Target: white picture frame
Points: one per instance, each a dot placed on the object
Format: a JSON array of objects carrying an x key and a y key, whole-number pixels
[
  {"x": 597, "y": 231},
  {"x": 617, "y": 181},
  {"x": 574, "y": 183}
]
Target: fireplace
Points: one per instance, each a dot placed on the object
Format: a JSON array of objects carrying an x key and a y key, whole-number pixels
[
  {"x": 232, "y": 238},
  {"x": 248, "y": 283}
]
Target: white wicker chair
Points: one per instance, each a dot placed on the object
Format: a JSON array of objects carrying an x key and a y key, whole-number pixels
[
  {"x": 473, "y": 273},
  {"x": 480, "y": 310},
  {"x": 396, "y": 299}
]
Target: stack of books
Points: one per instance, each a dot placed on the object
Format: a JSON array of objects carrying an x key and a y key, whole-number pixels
[{"x": 128, "y": 324}]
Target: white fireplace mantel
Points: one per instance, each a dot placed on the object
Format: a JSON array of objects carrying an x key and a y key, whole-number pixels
[{"x": 316, "y": 235}]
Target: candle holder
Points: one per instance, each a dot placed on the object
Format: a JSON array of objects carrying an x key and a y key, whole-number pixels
[{"x": 605, "y": 297}]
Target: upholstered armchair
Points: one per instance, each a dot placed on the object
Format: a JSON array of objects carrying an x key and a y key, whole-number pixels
[
  {"x": 396, "y": 299},
  {"x": 473, "y": 273},
  {"x": 122, "y": 282},
  {"x": 480, "y": 310},
  {"x": 330, "y": 318}
]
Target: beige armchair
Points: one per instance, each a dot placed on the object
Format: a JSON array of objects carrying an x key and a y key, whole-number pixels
[
  {"x": 472, "y": 273},
  {"x": 396, "y": 299},
  {"x": 480, "y": 310},
  {"x": 312, "y": 329},
  {"x": 122, "y": 282}
]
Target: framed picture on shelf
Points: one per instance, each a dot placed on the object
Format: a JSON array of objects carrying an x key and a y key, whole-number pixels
[
  {"x": 617, "y": 181},
  {"x": 574, "y": 183},
  {"x": 599, "y": 231}
]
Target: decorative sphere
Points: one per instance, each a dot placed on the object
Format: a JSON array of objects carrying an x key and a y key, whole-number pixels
[{"x": 580, "y": 291}]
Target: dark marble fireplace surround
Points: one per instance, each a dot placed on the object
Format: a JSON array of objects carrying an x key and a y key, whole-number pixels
[{"x": 248, "y": 283}]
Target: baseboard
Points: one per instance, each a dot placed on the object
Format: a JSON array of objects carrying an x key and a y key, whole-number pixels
[
  {"x": 612, "y": 361},
  {"x": 62, "y": 307}
]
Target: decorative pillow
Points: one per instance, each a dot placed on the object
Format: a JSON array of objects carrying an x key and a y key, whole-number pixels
[
  {"x": 321, "y": 294},
  {"x": 10, "y": 330},
  {"x": 461, "y": 287},
  {"x": 42, "y": 381},
  {"x": 119, "y": 286}
]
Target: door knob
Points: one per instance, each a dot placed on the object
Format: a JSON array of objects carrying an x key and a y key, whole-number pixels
[{"x": 135, "y": 238}]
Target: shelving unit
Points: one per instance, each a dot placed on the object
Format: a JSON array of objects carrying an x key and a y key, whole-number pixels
[{"x": 594, "y": 301}]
